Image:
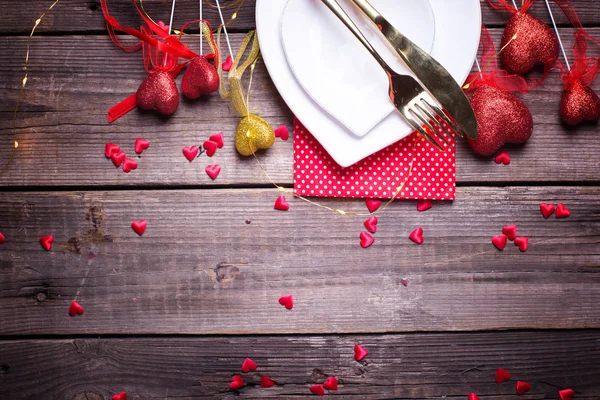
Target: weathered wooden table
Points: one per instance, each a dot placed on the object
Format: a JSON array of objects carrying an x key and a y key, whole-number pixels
[{"x": 173, "y": 314}]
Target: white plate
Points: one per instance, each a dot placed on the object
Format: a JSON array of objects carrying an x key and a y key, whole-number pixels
[{"x": 457, "y": 27}]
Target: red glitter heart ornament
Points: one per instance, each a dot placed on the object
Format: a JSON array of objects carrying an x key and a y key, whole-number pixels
[
  {"x": 281, "y": 204},
  {"x": 46, "y": 242},
  {"x": 473, "y": 396},
  {"x": 141, "y": 145},
  {"x": 287, "y": 301},
  {"x": 139, "y": 227},
  {"x": 502, "y": 375},
  {"x": 266, "y": 382},
  {"x": 359, "y": 352},
  {"x": 199, "y": 78},
  {"x": 158, "y": 92},
  {"x": 371, "y": 224},
  {"x": 248, "y": 365},
  {"x": 213, "y": 171},
  {"x": 118, "y": 158},
  {"x": 129, "y": 165},
  {"x": 331, "y": 383},
  {"x": 547, "y": 209},
  {"x": 522, "y": 387},
  {"x": 227, "y": 64},
  {"x": 110, "y": 149},
  {"x": 417, "y": 236},
  {"x": 366, "y": 240},
  {"x": 579, "y": 103},
  {"x": 510, "y": 231},
  {"x": 190, "y": 152},
  {"x": 318, "y": 390},
  {"x": 372, "y": 204},
  {"x": 75, "y": 309},
  {"x": 2, "y": 239},
  {"x": 236, "y": 382},
  {"x": 120, "y": 396},
  {"x": 282, "y": 132},
  {"x": 424, "y": 205},
  {"x": 500, "y": 241},
  {"x": 566, "y": 394},
  {"x": 218, "y": 139},
  {"x": 522, "y": 243},
  {"x": 502, "y": 158},
  {"x": 562, "y": 211},
  {"x": 210, "y": 147}
]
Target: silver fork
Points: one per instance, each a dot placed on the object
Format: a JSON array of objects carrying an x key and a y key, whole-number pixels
[{"x": 413, "y": 101}]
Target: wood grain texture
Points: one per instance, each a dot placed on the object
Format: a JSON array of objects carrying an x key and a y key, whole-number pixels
[
  {"x": 64, "y": 129},
  {"x": 86, "y": 15},
  {"x": 415, "y": 366},
  {"x": 216, "y": 261}
]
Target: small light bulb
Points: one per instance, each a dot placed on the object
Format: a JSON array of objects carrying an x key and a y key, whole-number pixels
[{"x": 16, "y": 144}]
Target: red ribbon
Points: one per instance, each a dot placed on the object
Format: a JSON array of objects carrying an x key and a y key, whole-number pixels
[
  {"x": 504, "y": 4},
  {"x": 583, "y": 69},
  {"x": 571, "y": 14}
]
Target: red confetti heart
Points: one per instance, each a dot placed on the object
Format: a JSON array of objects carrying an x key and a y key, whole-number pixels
[
  {"x": 373, "y": 205},
  {"x": 331, "y": 383},
  {"x": 562, "y": 211},
  {"x": 46, "y": 242},
  {"x": 502, "y": 158},
  {"x": 200, "y": 78},
  {"x": 75, "y": 309},
  {"x": 547, "y": 209},
  {"x": 366, "y": 240},
  {"x": 417, "y": 236},
  {"x": 282, "y": 132},
  {"x": 1, "y": 238},
  {"x": 139, "y": 227},
  {"x": 510, "y": 231},
  {"x": 248, "y": 365},
  {"x": 523, "y": 387},
  {"x": 227, "y": 64},
  {"x": 141, "y": 145},
  {"x": 111, "y": 149},
  {"x": 287, "y": 301},
  {"x": 566, "y": 394},
  {"x": 359, "y": 352},
  {"x": 158, "y": 92},
  {"x": 210, "y": 147},
  {"x": 473, "y": 396},
  {"x": 213, "y": 170},
  {"x": 424, "y": 205},
  {"x": 522, "y": 243},
  {"x": 120, "y": 396},
  {"x": 129, "y": 165},
  {"x": 318, "y": 390},
  {"x": 266, "y": 382},
  {"x": 236, "y": 382},
  {"x": 404, "y": 282},
  {"x": 118, "y": 158},
  {"x": 371, "y": 224},
  {"x": 218, "y": 139},
  {"x": 502, "y": 375},
  {"x": 281, "y": 204},
  {"x": 190, "y": 152},
  {"x": 499, "y": 241}
]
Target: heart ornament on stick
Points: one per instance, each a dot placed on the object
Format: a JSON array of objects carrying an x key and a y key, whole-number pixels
[{"x": 200, "y": 77}]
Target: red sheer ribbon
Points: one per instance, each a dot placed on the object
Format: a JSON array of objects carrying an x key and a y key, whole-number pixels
[
  {"x": 571, "y": 14},
  {"x": 504, "y": 4},
  {"x": 583, "y": 69},
  {"x": 490, "y": 74}
]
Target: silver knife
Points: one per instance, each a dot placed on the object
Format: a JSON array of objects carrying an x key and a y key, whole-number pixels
[{"x": 432, "y": 75}]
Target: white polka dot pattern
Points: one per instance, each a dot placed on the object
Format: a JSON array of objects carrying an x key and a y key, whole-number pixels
[{"x": 377, "y": 176}]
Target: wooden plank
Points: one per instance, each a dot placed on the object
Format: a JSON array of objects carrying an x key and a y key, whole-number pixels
[
  {"x": 416, "y": 366},
  {"x": 74, "y": 80},
  {"x": 82, "y": 16},
  {"x": 217, "y": 261}
]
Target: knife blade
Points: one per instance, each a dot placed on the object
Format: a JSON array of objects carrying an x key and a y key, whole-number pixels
[{"x": 431, "y": 73}]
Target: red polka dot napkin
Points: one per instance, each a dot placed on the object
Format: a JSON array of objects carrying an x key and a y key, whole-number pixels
[{"x": 377, "y": 176}]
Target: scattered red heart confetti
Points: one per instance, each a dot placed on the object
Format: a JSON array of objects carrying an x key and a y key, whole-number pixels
[
  {"x": 139, "y": 227},
  {"x": 473, "y": 396},
  {"x": 281, "y": 204},
  {"x": 318, "y": 390},
  {"x": 523, "y": 387},
  {"x": 371, "y": 224},
  {"x": 424, "y": 205},
  {"x": 502, "y": 375},
  {"x": 129, "y": 165},
  {"x": 227, "y": 64},
  {"x": 499, "y": 241},
  {"x": 120, "y": 396},
  {"x": 236, "y": 382},
  {"x": 502, "y": 158},
  {"x": 547, "y": 209},
  {"x": 359, "y": 352},
  {"x": 213, "y": 170},
  {"x": 510, "y": 231},
  {"x": 218, "y": 139},
  {"x": 210, "y": 147},
  {"x": 2, "y": 239},
  {"x": 566, "y": 394},
  {"x": 75, "y": 309},
  {"x": 190, "y": 152},
  {"x": 266, "y": 382},
  {"x": 287, "y": 301},
  {"x": 111, "y": 149},
  {"x": 417, "y": 236},
  {"x": 331, "y": 383},
  {"x": 404, "y": 282},
  {"x": 373, "y": 205},
  {"x": 141, "y": 145},
  {"x": 248, "y": 365},
  {"x": 46, "y": 242},
  {"x": 282, "y": 132},
  {"x": 522, "y": 242},
  {"x": 118, "y": 158},
  {"x": 562, "y": 211},
  {"x": 366, "y": 240}
]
